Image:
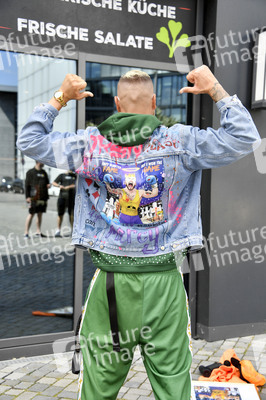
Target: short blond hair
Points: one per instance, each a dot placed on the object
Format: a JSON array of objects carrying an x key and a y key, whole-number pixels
[{"x": 134, "y": 76}]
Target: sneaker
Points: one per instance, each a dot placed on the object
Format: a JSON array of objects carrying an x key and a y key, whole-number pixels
[
  {"x": 40, "y": 235},
  {"x": 57, "y": 234},
  {"x": 26, "y": 236}
]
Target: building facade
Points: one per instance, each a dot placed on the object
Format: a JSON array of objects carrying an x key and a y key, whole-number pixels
[{"x": 38, "y": 48}]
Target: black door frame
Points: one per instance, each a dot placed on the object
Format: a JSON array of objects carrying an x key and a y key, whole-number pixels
[{"x": 28, "y": 346}]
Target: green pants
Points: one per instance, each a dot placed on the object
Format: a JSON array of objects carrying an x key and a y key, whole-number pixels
[{"x": 152, "y": 312}]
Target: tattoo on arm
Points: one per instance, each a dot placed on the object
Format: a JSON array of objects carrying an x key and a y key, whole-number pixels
[{"x": 217, "y": 92}]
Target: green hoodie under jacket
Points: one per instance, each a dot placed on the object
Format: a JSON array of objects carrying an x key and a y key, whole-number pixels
[{"x": 128, "y": 130}]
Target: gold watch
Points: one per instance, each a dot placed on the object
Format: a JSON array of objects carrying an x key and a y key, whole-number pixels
[{"x": 59, "y": 96}]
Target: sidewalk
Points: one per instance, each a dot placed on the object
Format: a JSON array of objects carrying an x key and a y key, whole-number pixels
[{"x": 42, "y": 378}]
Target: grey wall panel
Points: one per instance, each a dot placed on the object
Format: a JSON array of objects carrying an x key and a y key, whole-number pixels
[{"x": 238, "y": 191}]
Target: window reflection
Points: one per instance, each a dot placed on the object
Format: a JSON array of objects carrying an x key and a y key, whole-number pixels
[
  {"x": 36, "y": 272},
  {"x": 102, "y": 80}
]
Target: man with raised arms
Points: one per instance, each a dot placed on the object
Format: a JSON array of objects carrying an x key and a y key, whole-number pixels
[{"x": 138, "y": 286}]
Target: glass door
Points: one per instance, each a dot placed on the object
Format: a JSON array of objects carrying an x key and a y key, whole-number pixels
[{"x": 36, "y": 271}]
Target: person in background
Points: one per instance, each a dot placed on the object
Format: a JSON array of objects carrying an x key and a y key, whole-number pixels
[
  {"x": 36, "y": 192},
  {"x": 66, "y": 199}
]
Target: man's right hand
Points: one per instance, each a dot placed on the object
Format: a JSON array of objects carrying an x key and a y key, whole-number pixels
[
  {"x": 73, "y": 89},
  {"x": 204, "y": 81}
]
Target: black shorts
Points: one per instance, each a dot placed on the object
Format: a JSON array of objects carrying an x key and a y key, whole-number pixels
[
  {"x": 38, "y": 206},
  {"x": 64, "y": 203}
]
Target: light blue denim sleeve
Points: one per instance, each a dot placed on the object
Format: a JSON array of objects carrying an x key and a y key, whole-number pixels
[
  {"x": 59, "y": 150},
  {"x": 210, "y": 148}
]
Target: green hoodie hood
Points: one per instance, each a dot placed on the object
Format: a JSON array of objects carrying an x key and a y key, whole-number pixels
[{"x": 128, "y": 130}]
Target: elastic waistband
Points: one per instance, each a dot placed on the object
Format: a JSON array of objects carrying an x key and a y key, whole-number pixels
[
  {"x": 148, "y": 269},
  {"x": 159, "y": 272}
]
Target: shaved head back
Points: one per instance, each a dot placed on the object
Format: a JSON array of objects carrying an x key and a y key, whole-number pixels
[{"x": 135, "y": 93}]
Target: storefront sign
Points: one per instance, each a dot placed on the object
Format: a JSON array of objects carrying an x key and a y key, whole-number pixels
[{"x": 140, "y": 30}]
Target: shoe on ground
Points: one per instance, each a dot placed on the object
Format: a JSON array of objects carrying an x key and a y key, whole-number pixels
[
  {"x": 40, "y": 235},
  {"x": 26, "y": 236},
  {"x": 57, "y": 234},
  {"x": 250, "y": 374}
]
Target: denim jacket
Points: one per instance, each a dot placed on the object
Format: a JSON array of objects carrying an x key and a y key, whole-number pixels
[{"x": 142, "y": 200}]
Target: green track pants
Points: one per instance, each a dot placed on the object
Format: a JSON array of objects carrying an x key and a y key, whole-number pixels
[{"x": 152, "y": 312}]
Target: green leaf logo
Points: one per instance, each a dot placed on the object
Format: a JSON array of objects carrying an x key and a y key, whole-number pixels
[
  {"x": 163, "y": 36},
  {"x": 175, "y": 28}
]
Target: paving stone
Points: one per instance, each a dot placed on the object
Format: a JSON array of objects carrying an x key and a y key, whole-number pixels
[
  {"x": 23, "y": 385},
  {"x": 16, "y": 375},
  {"x": 204, "y": 353},
  {"x": 26, "y": 396},
  {"x": 63, "y": 382},
  {"x": 47, "y": 368},
  {"x": 139, "y": 376},
  {"x": 14, "y": 392},
  {"x": 12, "y": 382},
  {"x": 23, "y": 370},
  {"x": 30, "y": 378},
  {"x": 217, "y": 343},
  {"x": 128, "y": 396},
  {"x": 218, "y": 353},
  {"x": 47, "y": 381},
  {"x": 212, "y": 360},
  {"x": 67, "y": 395},
  {"x": 51, "y": 391},
  {"x": 71, "y": 376},
  {"x": 123, "y": 389},
  {"x": 139, "y": 392},
  {"x": 139, "y": 367},
  {"x": 33, "y": 366},
  {"x": 4, "y": 388},
  {"x": 120, "y": 396},
  {"x": 4, "y": 374},
  {"x": 10, "y": 368},
  {"x": 200, "y": 357},
  {"x": 250, "y": 358},
  {"x": 232, "y": 341},
  {"x": 73, "y": 387},
  {"x": 38, "y": 387},
  {"x": 194, "y": 377},
  {"x": 132, "y": 384},
  {"x": 38, "y": 374},
  {"x": 262, "y": 371},
  {"x": 194, "y": 364},
  {"x": 130, "y": 374},
  {"x": 55, "y": 374},
  {"x": 146, "y": 386},
  {"x": 144, "y": 398},
  {"x": 14, "y": 366}
]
